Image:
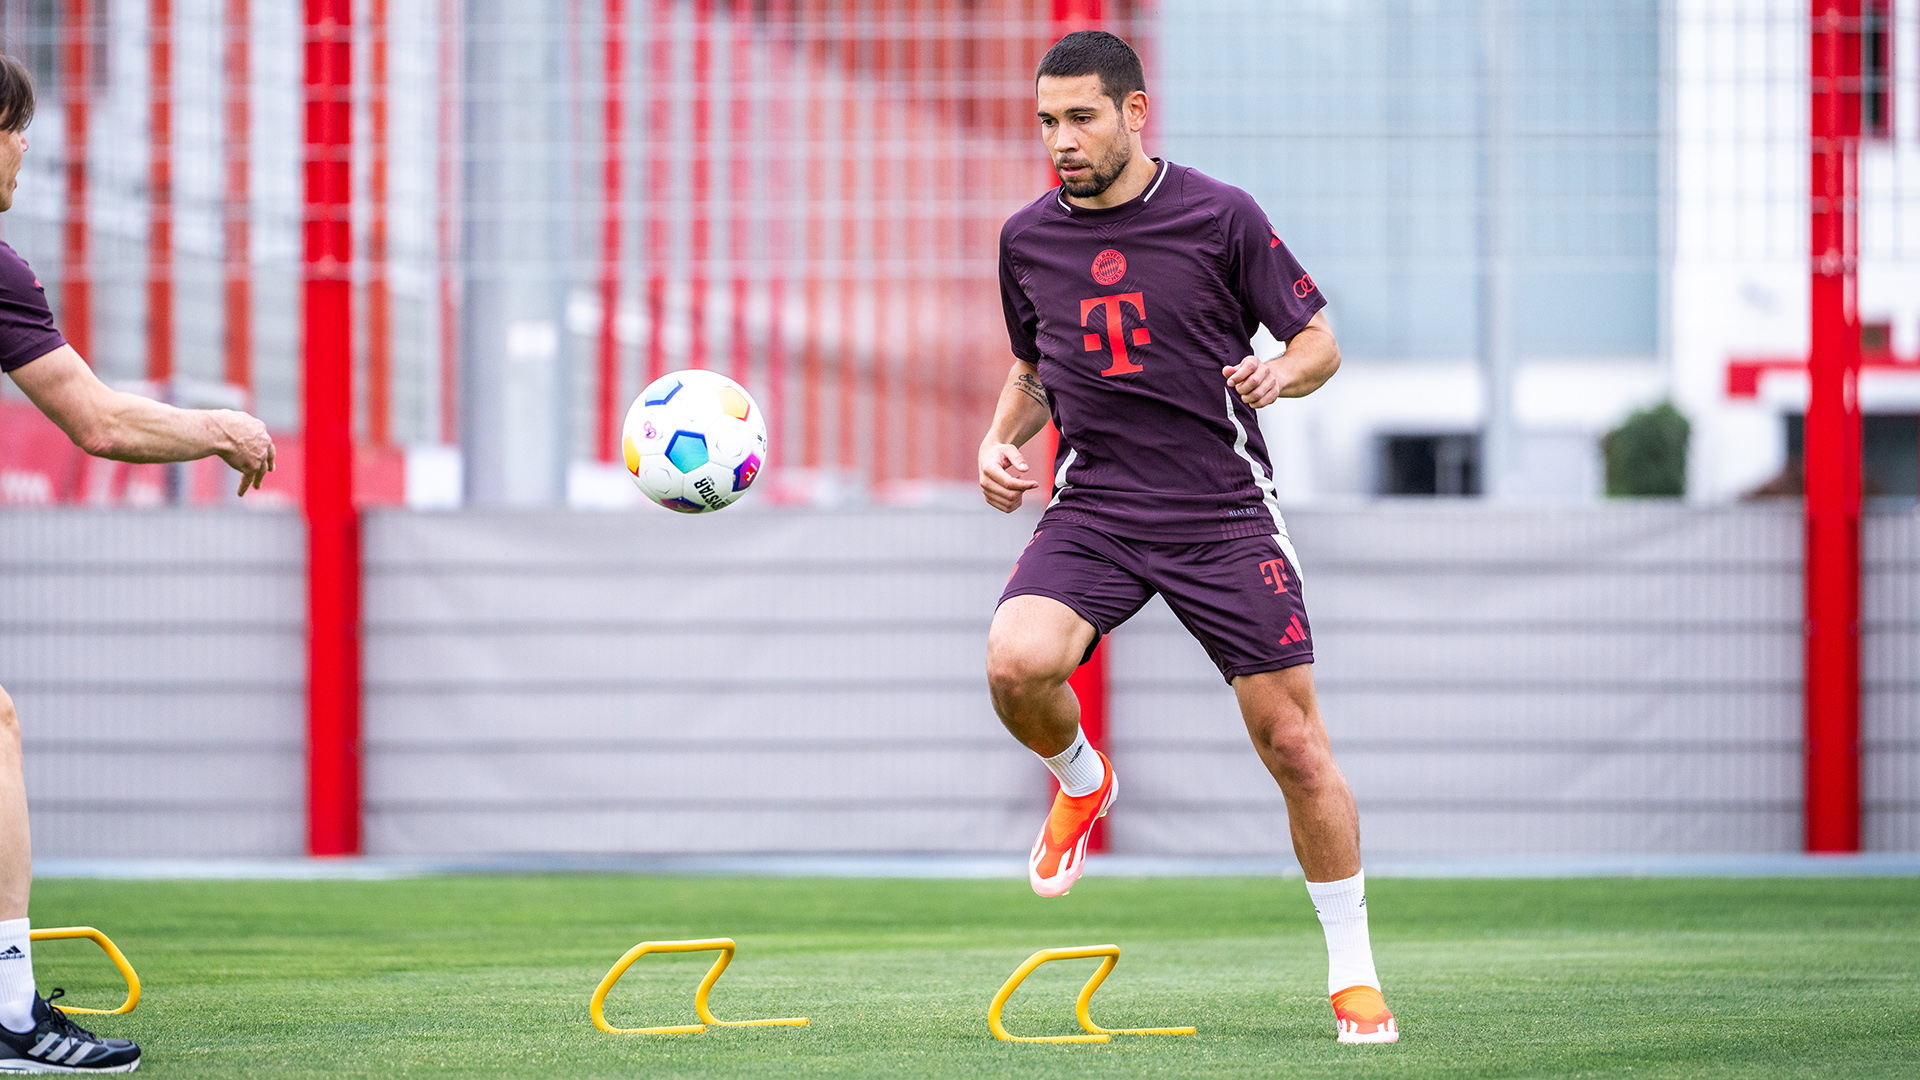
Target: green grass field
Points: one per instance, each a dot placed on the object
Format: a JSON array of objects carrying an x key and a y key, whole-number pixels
[{"x": 489, "y": 976}]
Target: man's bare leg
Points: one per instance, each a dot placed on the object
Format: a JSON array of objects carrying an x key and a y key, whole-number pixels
[
  {"x": 1032, "y": 649},
  {"x": 16, "y": 878},
  {"x": 1283, "y": 718}
]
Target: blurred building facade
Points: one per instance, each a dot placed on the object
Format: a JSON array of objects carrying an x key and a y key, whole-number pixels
[{"x": 1530, "y": 216}]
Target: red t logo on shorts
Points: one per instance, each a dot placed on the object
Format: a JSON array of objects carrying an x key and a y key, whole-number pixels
[{"x": 1274, "y": 573}]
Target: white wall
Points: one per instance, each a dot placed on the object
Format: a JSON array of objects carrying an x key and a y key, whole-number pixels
[{"x": 1610, "y": 679}]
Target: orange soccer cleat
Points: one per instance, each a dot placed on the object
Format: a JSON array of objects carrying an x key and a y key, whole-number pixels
[
  {"x": 1060, "y": 852},
  {"x": 1360, "y": 1016}
]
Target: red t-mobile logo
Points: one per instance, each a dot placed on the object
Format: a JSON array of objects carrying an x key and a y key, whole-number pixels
[{"x": 1121, "y": 365}]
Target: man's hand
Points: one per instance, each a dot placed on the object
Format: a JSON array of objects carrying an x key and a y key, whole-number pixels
[
  {"x": 998, "y": 463},
  {"x": 246, "y": 446},
  {"x": 1256, "y": 382}
]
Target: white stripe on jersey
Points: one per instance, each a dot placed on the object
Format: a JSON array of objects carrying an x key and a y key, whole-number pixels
[
  {"x": 1268, "y": 493},
  {"x": 1060, "y": 484},
  {"x": 1156, "y": 184}
]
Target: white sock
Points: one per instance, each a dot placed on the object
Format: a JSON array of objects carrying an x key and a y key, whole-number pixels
[
  {"x": 1342, "y": 907},
  {"x": 1077, "y": 767},
  {"x": 16, "y": 975}
]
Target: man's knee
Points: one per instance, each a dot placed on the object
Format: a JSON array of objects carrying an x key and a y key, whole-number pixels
[
  {"x": 1296, "y": 742},
  {"x": 1015, "y": 672},
  {"x": 1033, "y": 646},
  {"x": 9, "y": 719}
]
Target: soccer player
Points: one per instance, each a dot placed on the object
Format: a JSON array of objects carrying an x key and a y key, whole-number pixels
[
  {"x": 1131, "y": 294},
  {"x": 35, "y": 1037}
]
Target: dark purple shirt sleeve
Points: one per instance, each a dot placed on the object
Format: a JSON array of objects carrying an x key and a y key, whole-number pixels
[
  {"x": 27, "y": 332},
  {"x": 1023, "y": 322},
  {"x": 1265, "y": 276}
]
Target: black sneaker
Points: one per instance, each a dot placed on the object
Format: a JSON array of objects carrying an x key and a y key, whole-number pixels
[{"x": 58, "y": 1045}]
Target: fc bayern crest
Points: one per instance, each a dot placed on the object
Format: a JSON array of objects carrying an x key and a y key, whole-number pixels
[{"x": 1109, "y": 267}]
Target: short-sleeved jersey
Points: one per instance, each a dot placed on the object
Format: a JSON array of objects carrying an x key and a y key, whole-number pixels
[
  {"x": 26, "y": 322},
  {"x": 1131, "y": 312}
]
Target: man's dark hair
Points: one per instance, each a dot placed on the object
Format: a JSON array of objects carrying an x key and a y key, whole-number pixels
[
  {"x": 16, "y": 95},
  {"x": 1095, "y": 52}
]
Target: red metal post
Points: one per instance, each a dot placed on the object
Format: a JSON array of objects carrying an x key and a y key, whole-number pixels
[
  {"x": 777, "y": 87},
  {"x": 160, "y": 190},
  {"x": 379, "y": 295},
  {"x": 700, "y": 181},
  {"x": 237, "y": 197},
  {"x": 1833, "y": 440},
  {"x": 333, "y": 528},
  {"x": 740, "y": 225},
  {"x": 76, "y": 271},
  {"x": 613, "y": 160},
  {"x": 446, "y": 225},
  {"x": 810, "y": 193},
  {"x": 655, "y": 196}
]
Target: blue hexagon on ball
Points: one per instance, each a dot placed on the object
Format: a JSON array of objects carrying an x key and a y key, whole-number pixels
[{"x": 687, "y": 450}]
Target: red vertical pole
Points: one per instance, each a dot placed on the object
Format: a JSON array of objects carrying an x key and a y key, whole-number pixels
[
  {"x": 700, "y": 180},
  {"x": 810, "y": 64},
  {"x": 883, "y": 99},
  {"x": 1833, "y": 444},
  {"x": 445, "y": 224},
  {"x": 333, "y": 533},
  {"x": 845, "y": 83},
  {"x": 613, "y": 161},
  {"x": 1089, "y": 681},
  {"x": 237, "y": 197},
  {"x": 76, "y": 272},
  {"x": 913, "y": 106},
  {"x": 160, "y": 190},
  {"x": 379, "y": 295},
  {"x": 782, "y": 199},
  {"x": 659, "y": 179},
  {"x": 740, "y": 112}
]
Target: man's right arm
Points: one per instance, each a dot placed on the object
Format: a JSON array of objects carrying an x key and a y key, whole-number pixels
[
  {"x": 1020, "y": 415},
  {"x": 126, "y": 427}
]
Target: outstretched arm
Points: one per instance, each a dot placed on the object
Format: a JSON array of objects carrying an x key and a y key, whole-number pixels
[
  {"x": 126, "y": 427},
  {"x": 1311, "y": 358},
  {"x": 1021, "y": 414}
]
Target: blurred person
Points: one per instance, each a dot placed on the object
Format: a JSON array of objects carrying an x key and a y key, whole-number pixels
[
  {"x": 34, "y": 1036},
  {"x": 1131, "y": 293}
]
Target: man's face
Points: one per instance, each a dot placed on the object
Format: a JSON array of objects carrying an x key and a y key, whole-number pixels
[
  {"x": 13, "y": 144},
  {"x": 1085, "y": 133}
]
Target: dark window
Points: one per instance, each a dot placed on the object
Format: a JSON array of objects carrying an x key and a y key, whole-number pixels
[
  {"x": 1876, "y": 69},
  {"x": 1890, "y": 461},
  {"x": 1430, "y": 465},
  {"x": 1876, "y": 337}
]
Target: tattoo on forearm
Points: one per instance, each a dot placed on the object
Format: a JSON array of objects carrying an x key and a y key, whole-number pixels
[{"x": 1030, "y": 386}]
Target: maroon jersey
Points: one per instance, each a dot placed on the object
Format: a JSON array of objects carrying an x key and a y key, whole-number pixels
[
  {"x": 26, "y": 323},
  {"x": 1130, "y": 312}
]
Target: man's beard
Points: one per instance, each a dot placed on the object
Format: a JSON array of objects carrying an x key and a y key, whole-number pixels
[{"x": 1103, "y": 173}]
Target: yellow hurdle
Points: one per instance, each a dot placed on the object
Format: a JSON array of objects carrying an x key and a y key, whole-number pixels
[
  {"x": 114, "y": 954},
  {"x": 724, "y": 946},
  {"x": 1095, "y": 1033}
]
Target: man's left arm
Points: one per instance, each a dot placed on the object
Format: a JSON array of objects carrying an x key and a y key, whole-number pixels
[
  {"x": 126, "y": 427},
  {"x": 1311, "y": 358}
]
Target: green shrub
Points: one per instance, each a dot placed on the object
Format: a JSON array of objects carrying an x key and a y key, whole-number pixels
[{"x": 1647, "y": 453}]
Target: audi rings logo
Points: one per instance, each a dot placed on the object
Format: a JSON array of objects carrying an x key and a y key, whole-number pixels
[{"x": 1302, "y": 287}]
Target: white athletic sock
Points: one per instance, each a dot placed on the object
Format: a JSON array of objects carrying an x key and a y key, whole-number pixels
[
  {"x": 16, "y": 975},
  {"x": 1078, "y": 767},
  {"x": 1342, "y": 907}
]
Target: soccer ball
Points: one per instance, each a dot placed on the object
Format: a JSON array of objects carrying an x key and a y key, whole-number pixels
[{"x": 694, "y": 440}]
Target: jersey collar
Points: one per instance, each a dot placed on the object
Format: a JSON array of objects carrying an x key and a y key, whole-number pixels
[{"x": 1126, "y": 209}]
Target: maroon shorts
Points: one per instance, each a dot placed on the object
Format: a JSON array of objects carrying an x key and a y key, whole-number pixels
[{"x": 1240, "y": 598}]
